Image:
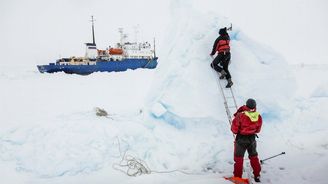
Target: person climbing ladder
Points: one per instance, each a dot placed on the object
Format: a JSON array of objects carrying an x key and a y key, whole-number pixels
[{"x": 222, "y": 46}]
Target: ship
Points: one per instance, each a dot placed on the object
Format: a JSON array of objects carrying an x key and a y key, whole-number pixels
[{"x": 125, "y": 55}]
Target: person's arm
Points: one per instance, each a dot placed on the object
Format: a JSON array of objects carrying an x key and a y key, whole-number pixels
[
  {"x": 214, "y": 47},
  {"x": 235, "y": 124}
]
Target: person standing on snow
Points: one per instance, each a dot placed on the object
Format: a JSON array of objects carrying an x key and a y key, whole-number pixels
[
  {"x": 221, "y": 45},
  {"x": 246, "y": 124}
]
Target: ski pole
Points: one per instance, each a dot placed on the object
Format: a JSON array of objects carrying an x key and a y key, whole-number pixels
[{"x": 282, "y": 153}]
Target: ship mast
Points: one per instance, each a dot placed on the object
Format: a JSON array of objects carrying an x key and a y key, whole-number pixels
[
  {"x": 93, "y": 31},
  {"x": 154, "y": 49},
  {"x": 120, "y": 30},
  {"x": 91, "y": 49}
]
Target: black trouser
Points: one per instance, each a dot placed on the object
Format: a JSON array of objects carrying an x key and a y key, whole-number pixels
[
  {"x": 243, "y": 143},
  {"x": 223, "y": 58}
]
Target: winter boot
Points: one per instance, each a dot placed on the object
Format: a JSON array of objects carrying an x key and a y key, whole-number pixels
[
  {"x": 257, "y": 179},
  {"x": 230, "y": 83},
  {"x": 223, "y": 74}
]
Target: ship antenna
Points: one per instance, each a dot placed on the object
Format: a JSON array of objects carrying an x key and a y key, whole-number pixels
[
  {"x": 120, "y": 30},
  {"x": 154, "y": 49},
  {"x": 93, "y": 31},
  {"x": 136, "y": 32}
]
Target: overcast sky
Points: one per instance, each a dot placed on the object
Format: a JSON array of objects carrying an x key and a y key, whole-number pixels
[{"x": 39, "y": 31}]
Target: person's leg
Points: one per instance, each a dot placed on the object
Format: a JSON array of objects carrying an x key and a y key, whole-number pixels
[
  {"x": 254, "y": 160},
  {"x": 230, "y": 83},
  {"x": 215, "y": 63},
  {"x": 239, "y": 152},
  {"x": 238, "y": 166},
  {"x": 225, "y": 65}
]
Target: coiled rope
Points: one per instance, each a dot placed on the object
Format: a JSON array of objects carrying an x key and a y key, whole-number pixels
[{"x": 137, "y": 167}]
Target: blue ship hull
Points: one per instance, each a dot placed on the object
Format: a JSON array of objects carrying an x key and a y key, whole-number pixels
[{"x": 100, "y": 66}]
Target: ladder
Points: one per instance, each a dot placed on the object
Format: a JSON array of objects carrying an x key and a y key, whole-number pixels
[{"x": 228, "y": 96}]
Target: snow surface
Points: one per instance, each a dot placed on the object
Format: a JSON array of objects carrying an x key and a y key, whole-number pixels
[{"x": 172, "y": 117}]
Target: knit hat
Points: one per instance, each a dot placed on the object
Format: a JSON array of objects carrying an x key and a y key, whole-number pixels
[
  {"x": 251, "y": 103},
  {"x": 223, "y": 31}
]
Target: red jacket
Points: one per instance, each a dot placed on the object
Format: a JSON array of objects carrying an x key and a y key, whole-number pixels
[
  {"x": 246, "y": 122},
  {"x": 221, "y": 44}
]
